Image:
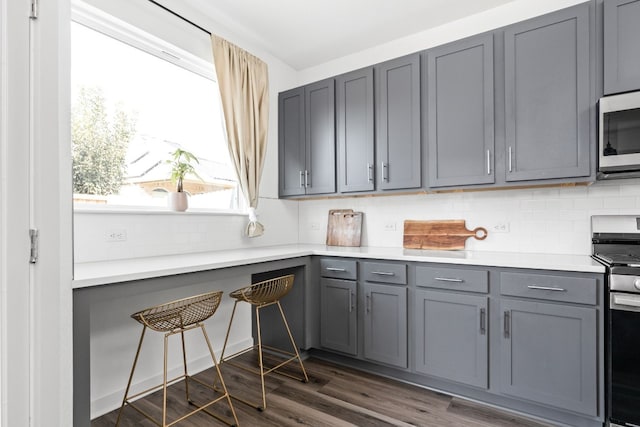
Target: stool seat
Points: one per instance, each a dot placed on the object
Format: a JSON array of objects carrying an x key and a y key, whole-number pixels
[
  {"x": 180, "y": 313},
  {"x": 265, "y": 292}
]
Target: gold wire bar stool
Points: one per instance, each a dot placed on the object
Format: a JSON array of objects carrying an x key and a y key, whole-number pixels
[
  {"x": 261, "y": 295},
  {"x": 177, "y": 317}
]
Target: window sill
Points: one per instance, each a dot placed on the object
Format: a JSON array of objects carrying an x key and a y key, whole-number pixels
[{"x": 130, "y": 210}]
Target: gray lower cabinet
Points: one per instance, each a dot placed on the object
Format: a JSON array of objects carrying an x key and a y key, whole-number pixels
[
  {"x": 385, "y": 324},
  {"x": 339, "y": 315},
  {"x": 621, "y": 46},
  {"x": 547, "y": 96},
  {"x": 306, "y": 132},
  {"x": 354, "y": 129},
  {"x": 549, "y": 354},
  {"x": 397, "y": 103},
  {"x": 460, "y": 119},
  {"x": 451, "y": 336}
]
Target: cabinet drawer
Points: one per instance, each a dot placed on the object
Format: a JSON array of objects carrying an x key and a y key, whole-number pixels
[
  {"x": 340, "y": 269},
  {"x": 549, "y": 287},
  {"x": 453, "y": 279},
  {"x": 385, "y": 272}
]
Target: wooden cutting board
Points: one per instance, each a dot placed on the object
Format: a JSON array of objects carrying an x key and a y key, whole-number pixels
[
  {"x": 441, "y": 234},
  {"x": 344, "y": 227}
]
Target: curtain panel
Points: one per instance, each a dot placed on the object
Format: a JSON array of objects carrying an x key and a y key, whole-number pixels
[{"x": 244, "y": 89}]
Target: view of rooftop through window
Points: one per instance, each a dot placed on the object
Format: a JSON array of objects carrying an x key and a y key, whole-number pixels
[{"x": 130, "y": 111}]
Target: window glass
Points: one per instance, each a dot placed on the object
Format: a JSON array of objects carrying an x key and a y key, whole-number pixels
[{"x": 130, "y": 110}]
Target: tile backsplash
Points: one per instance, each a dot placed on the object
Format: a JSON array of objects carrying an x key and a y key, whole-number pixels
[{"x": 551, "y": 220}]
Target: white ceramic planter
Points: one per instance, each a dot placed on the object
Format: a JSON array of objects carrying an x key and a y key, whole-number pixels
[{"x": 178, "y": 201}]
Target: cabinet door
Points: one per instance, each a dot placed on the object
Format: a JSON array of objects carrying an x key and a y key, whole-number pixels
[
  {"x": 320, "y": 137},
  {"x": 291, "y": 142},
  {"x": 548, "y": 354},
  {"x": 398, "y": 123},
  {"x": 451, "y": 336},
  {"x": 385, "y": 324},
  {"x": 354, "y": 124},
  {"x": 621, "y": 46},
  {"x": 547, "y": 96},
  {"x": 460, "y": 125},
  {"x": 338, "y": 315}
]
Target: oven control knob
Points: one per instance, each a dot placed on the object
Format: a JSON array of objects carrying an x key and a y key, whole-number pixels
[{"x": 636, "y": 284}]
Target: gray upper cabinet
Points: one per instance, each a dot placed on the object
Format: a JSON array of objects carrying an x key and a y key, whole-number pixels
[
  {"x": 320, "y": 137},
  {"x": 549, "y": 353},
  {"x": 354, "y": 128},
  {"x": 547, "y": 96},
  {"x": 621, "y": 46},
  {"x": 397, "y": 101},
  {"x": 306, "y": 133},
  {"x": 460, "y": 113},
  {"x": 385, "y": 324},
  {"x": 291, "y": 145},
  {"x": 451, "y": 336}
]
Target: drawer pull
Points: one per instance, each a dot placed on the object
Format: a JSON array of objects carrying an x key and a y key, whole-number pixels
[
  {"x": 546, "y": 288},
  {"x": 336, "y": 269},
  {"x": 447, "y": 279},
  {"x": 483, "y": 321},
  {"x": 350, "y": 302},
  {"x": 384, "y": 273},
  {"x": 507, "y": 323}
]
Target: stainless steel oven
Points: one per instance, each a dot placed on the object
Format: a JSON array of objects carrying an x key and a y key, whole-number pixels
[
  {"x": 619, "y": 136},
  {"x": 616, "y": 244}
]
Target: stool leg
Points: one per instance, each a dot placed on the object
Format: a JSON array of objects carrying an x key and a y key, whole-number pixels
[
  {"x": 261, "y": 365},
  {"x": 215, "y": 363},
  {"x": 184, "y": 363},
  {"x": 226, "y": 338},
  {"x": 293, "y": 343},
  {"x": 133, "y": 368},
  {"x": 164, "y": 380}
]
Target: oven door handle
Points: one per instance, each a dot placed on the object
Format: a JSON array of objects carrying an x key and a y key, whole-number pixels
[{"x": 625, "y": 302}]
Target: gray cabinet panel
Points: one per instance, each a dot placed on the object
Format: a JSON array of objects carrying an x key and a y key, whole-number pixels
[
  {"x": 547, "y": 96},
  {"x": 398, "y": 123},
  {"x": 338, "y": 315},
  {"x": 451, "y": 336},
  {"x": 291, "y": 142},
  {"x": 354, "y": 126},
  {"x": 339, "y": 269},
  {"x": 549, "y": 353},
  {"x": 621, "y": 46},
  {"x": 453, "y": 279},
  {"x": 550, "y": 287},
  {"x": 384, "y": 272},
  {"x": 460, "y": 113},
  {"x": 385, "y": 324},
  {"x": 320, "y": 137}
]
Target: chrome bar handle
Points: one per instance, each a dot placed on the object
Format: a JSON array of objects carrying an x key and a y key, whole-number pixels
[
  {"x": 546, "y": 288},
  {"x": 335, "y": 269},
  {"x": 301, "y": 179},
  {"x": 447, "y": 279},
  {"x": 369, "y": 172},
  {"x": 385, "y": 176},
  {"x": 507, "y": 324},
  {"x": 306, "y": 178},
  {"x": 483, "y": 321},
  {"x": 350, "y": 301},
  {"x": 368, "y": 304},
  {"x": 488, "y": 162},
  {"x": 510, "y": 161},
  {"x": 383, "y": 273}
]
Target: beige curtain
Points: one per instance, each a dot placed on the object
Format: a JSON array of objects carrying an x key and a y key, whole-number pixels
[{"x": 244, "y": 83}]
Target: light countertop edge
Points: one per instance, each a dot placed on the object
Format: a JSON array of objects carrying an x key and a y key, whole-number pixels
[{"x": 108, "y": 272}]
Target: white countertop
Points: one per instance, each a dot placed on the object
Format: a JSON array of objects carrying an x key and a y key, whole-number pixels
[{"x": 107, "y": 272}]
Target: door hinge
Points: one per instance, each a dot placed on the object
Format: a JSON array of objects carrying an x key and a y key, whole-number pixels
[
  {"x": 34, "y": 10},
  {"x": 33, "y": 236}
]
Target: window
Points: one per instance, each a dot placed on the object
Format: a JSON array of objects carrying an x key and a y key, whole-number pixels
[{"x": 136, "y": 99}]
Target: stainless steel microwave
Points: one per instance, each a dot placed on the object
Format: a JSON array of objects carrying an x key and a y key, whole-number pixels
[{"x": 619, "y": 136}]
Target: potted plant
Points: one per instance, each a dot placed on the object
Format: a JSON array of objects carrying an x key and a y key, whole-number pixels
[{"x": 182, "y": 163}]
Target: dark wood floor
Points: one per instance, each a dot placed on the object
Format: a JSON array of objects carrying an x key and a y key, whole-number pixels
[{"x": 334, "y": 396}]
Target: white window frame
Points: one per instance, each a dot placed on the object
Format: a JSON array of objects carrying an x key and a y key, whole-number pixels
[{"x": 97, "y": 20}]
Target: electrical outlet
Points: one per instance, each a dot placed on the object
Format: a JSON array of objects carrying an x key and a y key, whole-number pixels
[
  {"x": 116, "y": 235},
  {"x": 390, "y": 226},
  {"x": 500, "y": 227},
  {"x": 315, "y": 226}
]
